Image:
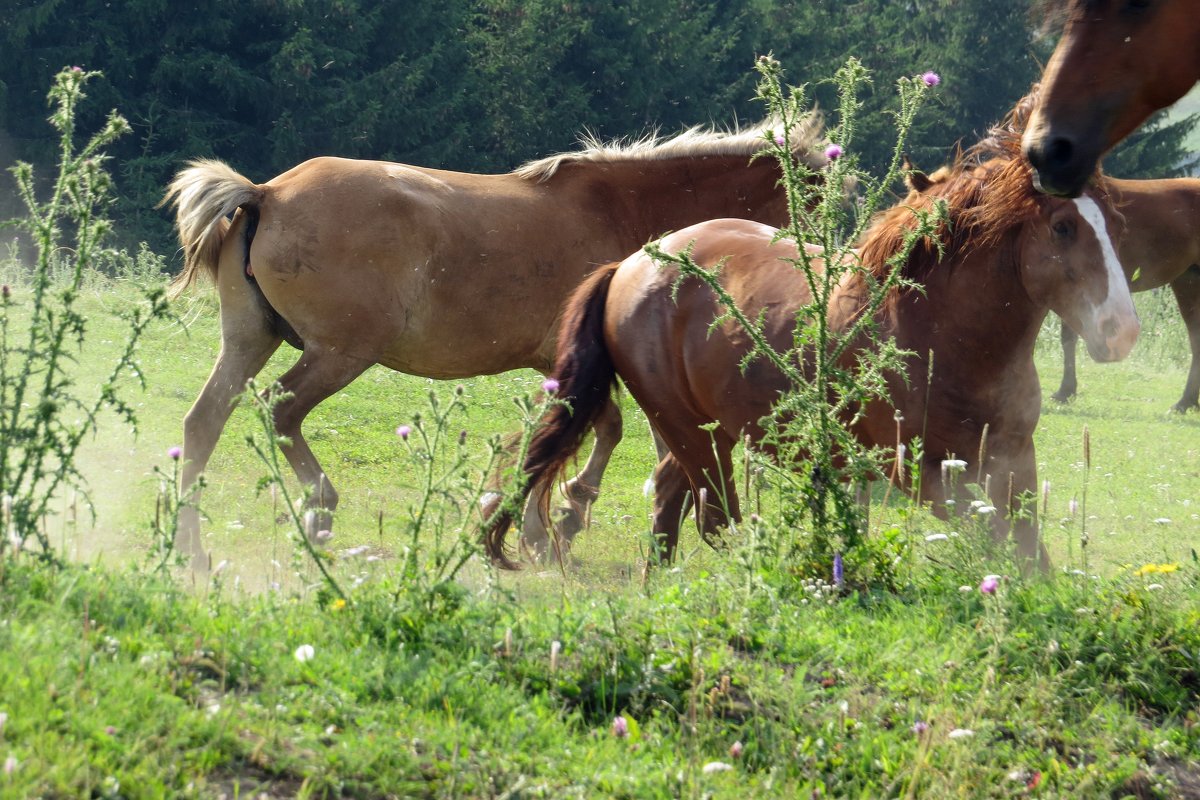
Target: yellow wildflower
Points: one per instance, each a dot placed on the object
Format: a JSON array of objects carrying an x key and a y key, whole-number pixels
[{"x": 338, "y": 604}]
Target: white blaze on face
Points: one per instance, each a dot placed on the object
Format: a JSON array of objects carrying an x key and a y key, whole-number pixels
[{"x": 1115, "y": 319}]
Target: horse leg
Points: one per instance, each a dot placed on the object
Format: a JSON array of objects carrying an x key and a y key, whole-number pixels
[
  {"x": 1187, "y": 294},
  {"x": 580, "y": 492},
  {"x": 708, "y": 461},
  {"x": 318, "y": 374},
  {"x": 1068, "y": 387},
  {"x": 246, "y": 345},
  {"x": 672, "y": 493}
]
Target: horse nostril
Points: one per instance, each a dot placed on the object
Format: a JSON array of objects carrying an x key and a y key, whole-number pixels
[{"x": 1059, "y": 152}]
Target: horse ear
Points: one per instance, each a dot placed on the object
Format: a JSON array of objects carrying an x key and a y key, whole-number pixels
[{"x": 914, "y": 178}]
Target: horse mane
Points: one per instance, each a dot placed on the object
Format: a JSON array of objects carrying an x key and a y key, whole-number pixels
[
  {"x": 696, "y": 142},
  {"x": 988, "y": 191}
]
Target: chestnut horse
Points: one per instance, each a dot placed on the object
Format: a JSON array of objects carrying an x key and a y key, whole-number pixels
[
  {"x": 433, "y": 273},
  {"x": 1010, "y": 255},
  {"x": 1117, "y": 63},
  {"x": 1161, "y": 247}
]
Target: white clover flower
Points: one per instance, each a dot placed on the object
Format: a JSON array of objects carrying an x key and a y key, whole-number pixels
[
  {"x": 960, "y": 733},
  {"x": 936, "y": 537},
  {"x": 304, "y": 652},
  {"x": 716, "y": 766}
]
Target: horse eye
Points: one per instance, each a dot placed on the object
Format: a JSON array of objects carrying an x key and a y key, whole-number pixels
[
  {"x": 1137, "y": 6},
  {"x": 1062, "y": 229}
]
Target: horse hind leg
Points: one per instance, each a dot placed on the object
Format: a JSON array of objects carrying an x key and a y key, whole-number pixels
[
  {"x": 319, "y": 373},
  {"x": 247, "y": 342},
  {"x": 541, "y": 537},
  {"x": 1186, "y": 289},
  {"x": 1069, "y": 385}
]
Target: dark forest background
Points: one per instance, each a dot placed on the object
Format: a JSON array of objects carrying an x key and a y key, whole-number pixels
[{"x": 484, "y": 85}]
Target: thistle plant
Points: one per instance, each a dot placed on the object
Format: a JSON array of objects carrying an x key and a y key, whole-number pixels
[
  {"x": 833, "y": 376},
  {"x": 43, "y": 416}
]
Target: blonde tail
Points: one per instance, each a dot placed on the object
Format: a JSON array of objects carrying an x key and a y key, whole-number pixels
[{"x": 204, "y": 194}]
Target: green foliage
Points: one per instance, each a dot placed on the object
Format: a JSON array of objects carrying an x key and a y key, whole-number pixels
[
  {"x": 43, "y": 416},
  {"x": 483, "y": 85}
]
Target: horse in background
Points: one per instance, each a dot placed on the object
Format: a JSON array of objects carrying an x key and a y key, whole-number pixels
[
  {"x": 1161, "y": 247},
  {"x": 434, "y": 273},
  {"x": 1010, "y": 256},
  {"x": 1117, "y": 63}
]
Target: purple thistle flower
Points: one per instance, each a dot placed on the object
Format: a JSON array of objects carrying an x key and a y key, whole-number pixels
[
  {"x": 549, "y": 386},
  {"x": 735, "y": 750},
  {"x": 839, "y": 570},
  {"x": 779, "y": 140},
  {"x": 989, "y": 585},
  {"x": 403, "y": 431},
  {"x": 620, "y": 727},
  {"x": 931, "y": 78},
  {"x": 833, "y": 152},
  {"x": 175, "y": 453},
  {"x": 919, "y": 727}
]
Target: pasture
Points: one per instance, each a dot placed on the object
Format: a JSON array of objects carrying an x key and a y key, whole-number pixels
[
  {"x": 730, "y": 680},
  {"x": 933, "y": 667}
]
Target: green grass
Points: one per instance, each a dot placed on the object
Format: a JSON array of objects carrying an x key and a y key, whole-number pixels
[{"x": 122, "y": 685}]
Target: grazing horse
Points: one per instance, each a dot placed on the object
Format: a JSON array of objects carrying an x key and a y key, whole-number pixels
[
  {"x": 1161, "y": 247},
  {"x": 1010, "y": 255},
  {"x": 1117, "y": 63},
  {"x": 433, "y": 273}
]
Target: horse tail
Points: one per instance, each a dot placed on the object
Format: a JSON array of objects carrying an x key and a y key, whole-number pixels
[
  {"x": 586, "y": 377},
  {"x": 204, "y": 195}
]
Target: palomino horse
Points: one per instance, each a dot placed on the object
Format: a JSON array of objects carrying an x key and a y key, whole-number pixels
[
  {"x": 1117, "y": 63},
  {"x": 433, "y": 273},
  {"x": 1161, "y": 247},
  {"x": 1010, "y": 255}
]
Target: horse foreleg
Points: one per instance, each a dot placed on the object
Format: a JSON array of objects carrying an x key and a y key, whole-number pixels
[
  {"x": 1068, "y": 387},
  {"x": 1187, "y": 294},
  {"x": 318, "y": 374}
]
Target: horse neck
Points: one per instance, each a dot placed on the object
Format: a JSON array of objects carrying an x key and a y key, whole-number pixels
[
  {"x": 972, "y": 305},
  {"x": 650, "y": 197}
]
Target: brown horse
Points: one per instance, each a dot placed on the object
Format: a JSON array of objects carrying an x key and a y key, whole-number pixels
[
  {"x": 433, "y": 273},
  {"x": 1117, "y": 63},
  {"x": 1010, "y": 255},
  {"x": 1161, "y": 247}
]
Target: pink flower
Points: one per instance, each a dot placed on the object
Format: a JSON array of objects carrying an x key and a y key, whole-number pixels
[
  {"x": 919, "y": 727},
  {"x": 403, "y": 431},
  {"x": 779, "y": 140},
  {"x": 989, "y": 585},
  {"x": 931, "y": 78},
  {"x": 175, "y": 453},
  {"x": 833, "y": 152},
  {"x": 735, "y": 750},
  {"x": 549, "y": 386},
  {"x": 620, "y": 727}
]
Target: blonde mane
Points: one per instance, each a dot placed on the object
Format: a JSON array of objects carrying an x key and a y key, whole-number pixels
[{"x": 696, "y": 142}]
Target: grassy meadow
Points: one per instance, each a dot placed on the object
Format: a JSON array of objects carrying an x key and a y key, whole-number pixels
[{"x": 727, "y": 675}]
